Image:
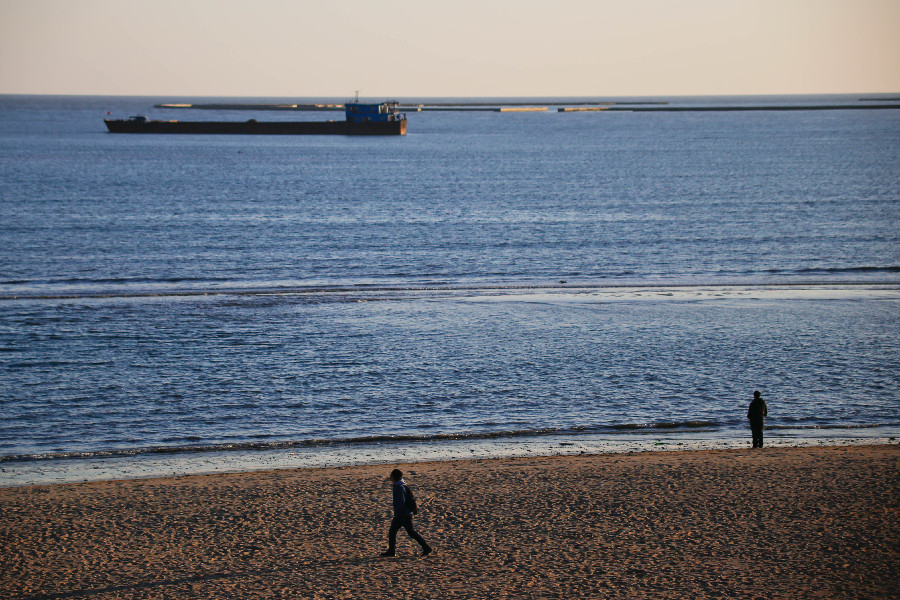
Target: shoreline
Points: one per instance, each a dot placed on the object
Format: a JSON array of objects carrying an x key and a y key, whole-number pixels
[
  {"x": 73, "y": 470},
  {"x": 776, "y": 523}
]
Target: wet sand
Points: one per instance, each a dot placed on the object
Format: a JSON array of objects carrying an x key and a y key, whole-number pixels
[{"x": 777, "y": 523}]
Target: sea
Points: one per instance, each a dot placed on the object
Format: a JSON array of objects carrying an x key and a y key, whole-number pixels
[{"x": 490, "y": 284}]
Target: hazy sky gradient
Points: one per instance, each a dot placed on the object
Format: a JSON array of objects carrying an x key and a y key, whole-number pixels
[{"x": 449, "y": 48}]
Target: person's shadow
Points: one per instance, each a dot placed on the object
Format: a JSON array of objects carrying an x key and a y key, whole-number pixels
[{"x": 161, "y": 583}]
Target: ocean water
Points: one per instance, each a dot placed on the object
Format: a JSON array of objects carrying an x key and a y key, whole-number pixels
[{"x": 487, "y": 277}]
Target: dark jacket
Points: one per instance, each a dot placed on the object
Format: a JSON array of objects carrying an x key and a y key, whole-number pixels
[
  {"x": 400, "y": 509},
  {"x": 758, "y": 410}
]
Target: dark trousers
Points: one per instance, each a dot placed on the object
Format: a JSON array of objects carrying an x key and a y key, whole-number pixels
[
  {"x": 757, "y": 430},
  {"x": 405, "y": 522}
]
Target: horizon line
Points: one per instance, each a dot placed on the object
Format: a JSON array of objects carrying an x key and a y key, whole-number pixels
[{"x": 539, "y": 96}]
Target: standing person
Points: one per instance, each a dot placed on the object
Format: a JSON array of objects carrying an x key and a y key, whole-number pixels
[
  {"x": 402, "y": 516},
  {"x": 757, "y": 415}
]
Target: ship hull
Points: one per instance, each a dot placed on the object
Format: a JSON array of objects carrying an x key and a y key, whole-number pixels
[{"x": 396, "y": 127}]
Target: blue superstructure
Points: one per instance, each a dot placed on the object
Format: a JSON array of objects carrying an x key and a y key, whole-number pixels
[{"x": 358, "y": 112}]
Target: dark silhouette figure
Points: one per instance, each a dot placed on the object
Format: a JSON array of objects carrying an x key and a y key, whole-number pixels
[
  {"x": 757, "y": 415},
  {"x": 402, "y": 517}
]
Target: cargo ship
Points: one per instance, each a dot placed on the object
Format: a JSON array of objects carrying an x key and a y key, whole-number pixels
[{"x": 360, "y": 119}]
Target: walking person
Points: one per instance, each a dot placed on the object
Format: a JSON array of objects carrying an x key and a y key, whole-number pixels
[
  {"x": 757, "y": 415},
  {"x": 402, "y": 516}
]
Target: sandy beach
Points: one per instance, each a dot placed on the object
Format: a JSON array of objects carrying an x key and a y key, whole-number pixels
[{"x": 774, "y": 523}]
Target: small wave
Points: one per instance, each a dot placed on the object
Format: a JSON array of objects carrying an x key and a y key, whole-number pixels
[
  {"x": 667, "y": 425},
  {"x": 130, "y": 280},
  {"x": 858, "y": 269},
  {"x": 849, "y": 426},
  {"x": 187, "y": 445},
  {"x": 370, "y": 439}
]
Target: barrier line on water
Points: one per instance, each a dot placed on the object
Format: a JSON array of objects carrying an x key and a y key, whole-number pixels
[{"x": 299, "y": 290}]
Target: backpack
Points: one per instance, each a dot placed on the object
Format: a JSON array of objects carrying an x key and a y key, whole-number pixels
[{"x": 411, "y": 505}]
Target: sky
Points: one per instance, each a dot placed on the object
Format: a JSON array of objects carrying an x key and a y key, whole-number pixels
[{"x": 425, "y": 48}]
